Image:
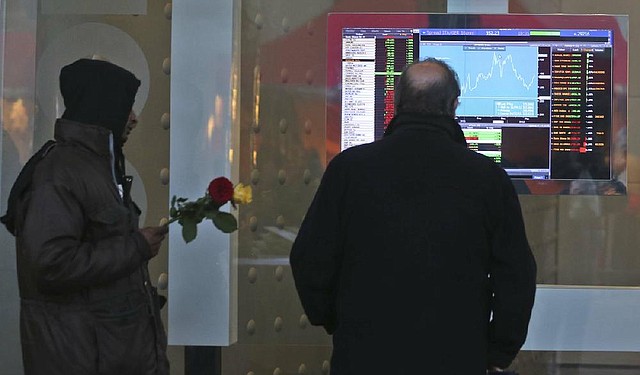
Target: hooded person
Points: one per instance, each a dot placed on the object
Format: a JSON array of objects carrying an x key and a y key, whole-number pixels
[
  {"x": 87, "y": 303},
  {"x": 100, "y": 93}
]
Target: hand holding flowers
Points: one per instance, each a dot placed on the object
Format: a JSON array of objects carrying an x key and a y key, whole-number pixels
[{"x": 219, "y": 192}]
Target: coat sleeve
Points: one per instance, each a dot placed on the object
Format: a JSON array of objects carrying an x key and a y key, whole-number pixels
[
  {"x": 317, "y": 252},
  {"x": 55, "y": 244},
  {"x": 512, "y": 279}
]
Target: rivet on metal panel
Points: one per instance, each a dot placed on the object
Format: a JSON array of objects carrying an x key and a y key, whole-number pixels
[
  {"x": 306, "y": 176},
  {"x": 167, "y": 11},
  {"x": 165, "y": 121},
  {"x": 303, "y": 322},
  {"x": 255, "y": 127},
  {"x": 163, "y": 281},
  {"x": 283, "y": 125},
  {"x": 255, "y": 176},
  {"x": 251, "y": 327},
  {"x": 259, "y": 21},
  {"x": 326, "y": 366},
  {"x": 164, "y": 176},
  {"x": 280, "y": 222},
  {"x": 252, "y": 275},
  {"x": 282, "y": 176},
  {"x": 277, "y": 324},
  {"x": 253, "y": 223},
  {"x": 166, "y": 66},
  {"x": 279, "y": 273},
  {"x": 307, "y": 126}
]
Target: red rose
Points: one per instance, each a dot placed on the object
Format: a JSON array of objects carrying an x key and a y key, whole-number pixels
[{"x": 220, "y": 190}]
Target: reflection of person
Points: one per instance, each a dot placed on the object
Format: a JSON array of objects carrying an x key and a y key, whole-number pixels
[
  {"x": 87, "y": 304},
  {"x": 413, "y": 253}
]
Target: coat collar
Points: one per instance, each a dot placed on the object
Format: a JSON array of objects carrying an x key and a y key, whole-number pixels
[
  {"x": 93, "y": 137},
  {"x": 414, "y": 120}
]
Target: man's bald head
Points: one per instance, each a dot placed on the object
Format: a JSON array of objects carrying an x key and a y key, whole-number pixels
[{"x": 429, "y": 87}]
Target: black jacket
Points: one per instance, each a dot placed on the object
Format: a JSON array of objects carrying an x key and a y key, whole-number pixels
[
  {"x": 409, "y": 246},
  {"x": 87, "y": 304}
]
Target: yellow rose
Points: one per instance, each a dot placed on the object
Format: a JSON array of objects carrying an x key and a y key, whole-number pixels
[{"x": 242, "y": 194}]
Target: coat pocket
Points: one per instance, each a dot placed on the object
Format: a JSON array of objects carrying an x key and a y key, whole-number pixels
[
  {"x": 108, "y": 220},
  {"x": 126, "y": 338},
  {"x": 109, "y": 214}
]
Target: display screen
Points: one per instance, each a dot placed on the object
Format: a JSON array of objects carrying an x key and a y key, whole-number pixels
[{"x": 538, "y": 100}]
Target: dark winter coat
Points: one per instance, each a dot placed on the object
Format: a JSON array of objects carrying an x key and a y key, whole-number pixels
[
  {"x": 87, "y": 304},
  {"x": 409, "y": 246}
]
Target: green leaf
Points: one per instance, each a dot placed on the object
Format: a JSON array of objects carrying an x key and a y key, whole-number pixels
[
  {"x": 189, "y": 229},
  {"x": 211, "y": 213},
  {"x": 173, "y": 201},
  {"x": 224, "y": 221}
]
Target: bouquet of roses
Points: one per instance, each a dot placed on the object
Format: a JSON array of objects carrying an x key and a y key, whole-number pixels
[{"x": 191, "y": 213}]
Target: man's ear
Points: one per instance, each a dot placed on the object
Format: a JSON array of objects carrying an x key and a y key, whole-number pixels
[{"x": 454, "y": 106}]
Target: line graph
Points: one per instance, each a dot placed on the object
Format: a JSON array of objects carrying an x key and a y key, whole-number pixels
[
  {"x": 500, "y": 63},
  {"x": 494, "y": 81}
]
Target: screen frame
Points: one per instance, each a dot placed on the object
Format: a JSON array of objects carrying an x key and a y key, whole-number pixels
[{"x": 619, "y": 116}]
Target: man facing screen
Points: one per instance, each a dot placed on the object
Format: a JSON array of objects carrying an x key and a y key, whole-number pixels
[{"x": 413, "y": 253}]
